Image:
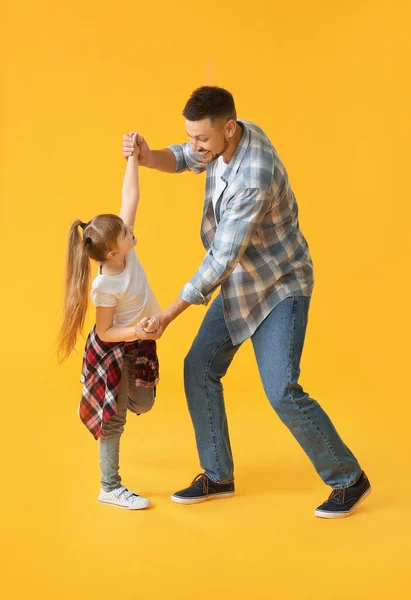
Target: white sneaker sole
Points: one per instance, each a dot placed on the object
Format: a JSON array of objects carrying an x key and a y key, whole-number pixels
[
  {"x": 180, "y": 500},
  {"x": 139, "y": 506},
  {"x": 337, "y": 515}
]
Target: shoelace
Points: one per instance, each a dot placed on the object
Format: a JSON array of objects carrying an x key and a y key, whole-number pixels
[
  {"x": 338, "y": 495},
  {"x": 202, "y": 477}
]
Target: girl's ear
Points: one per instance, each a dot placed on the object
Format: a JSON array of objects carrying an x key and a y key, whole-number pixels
[{"x": 110, "y": 255}]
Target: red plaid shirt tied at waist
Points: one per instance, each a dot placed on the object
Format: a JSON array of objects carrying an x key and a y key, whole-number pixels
[{"x": 101, "y": 374}]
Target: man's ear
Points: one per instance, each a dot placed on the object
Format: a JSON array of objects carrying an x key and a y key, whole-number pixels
[{"x": 231, "y": 127}]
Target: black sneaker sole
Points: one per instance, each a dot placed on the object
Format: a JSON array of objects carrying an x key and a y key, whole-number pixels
[
  {"x": 181, "y": 500},
  {"x": 326, "y": 514}
]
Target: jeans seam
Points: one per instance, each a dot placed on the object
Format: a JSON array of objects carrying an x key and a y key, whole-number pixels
[
  {"x": 291, "y": 351},
  {"x": 207, "y": 370}
]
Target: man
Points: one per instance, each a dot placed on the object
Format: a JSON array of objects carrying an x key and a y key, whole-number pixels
[{"x": 258, "y": 256}]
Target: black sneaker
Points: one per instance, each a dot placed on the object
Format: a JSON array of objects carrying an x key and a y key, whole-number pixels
[
  {"x": 342, "y": 502},
  {"x": 202, "y": 488}
]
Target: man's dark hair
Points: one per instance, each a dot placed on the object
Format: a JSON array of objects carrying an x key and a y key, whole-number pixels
[{"x": 210, "y": 102}]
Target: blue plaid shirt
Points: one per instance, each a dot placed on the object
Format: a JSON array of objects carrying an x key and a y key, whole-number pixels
[{"x": 255, "y": 249}]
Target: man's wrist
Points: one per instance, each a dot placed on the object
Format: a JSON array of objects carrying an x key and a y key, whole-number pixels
[
  {"x": 175, "y": 310},
  {"x": 167, "y": 318},
  {"x": 149, "y": 161}
]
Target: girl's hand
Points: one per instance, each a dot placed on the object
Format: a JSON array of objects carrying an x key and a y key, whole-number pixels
[
  {"x": 150, "y": 325},
  {"x": 130, "y": 144},
  {"x": 134, "y": 138},
  {"x": 158, "y": 326}
]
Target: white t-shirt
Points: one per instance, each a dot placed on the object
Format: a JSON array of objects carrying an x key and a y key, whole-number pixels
[
  {"x": 129, "y": 292},
  {"x": 220, "y": 184}
]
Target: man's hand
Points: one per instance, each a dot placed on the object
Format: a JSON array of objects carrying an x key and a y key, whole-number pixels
[
  {"x": 144, "y": 330},
  {"x": 129, "y": 147},
  {"x": 151, "y": 329}
]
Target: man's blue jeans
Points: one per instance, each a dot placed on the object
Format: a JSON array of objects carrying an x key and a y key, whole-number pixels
[{"x": 278, "y": 345}]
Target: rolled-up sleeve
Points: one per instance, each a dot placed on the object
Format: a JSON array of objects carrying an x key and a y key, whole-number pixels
[
  {"x": 190, "y": 294},
  {"x": 186, "y": 159},
  {"x": 242, "y": 217}
]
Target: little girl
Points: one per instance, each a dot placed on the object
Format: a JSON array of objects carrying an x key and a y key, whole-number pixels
[{"x": 119, "y": 371}]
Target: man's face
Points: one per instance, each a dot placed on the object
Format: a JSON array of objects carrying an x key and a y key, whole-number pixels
[{"x": 209, "y": 140}]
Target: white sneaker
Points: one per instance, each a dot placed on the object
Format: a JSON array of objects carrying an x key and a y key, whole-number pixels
[{"x": 123, "y": 498}]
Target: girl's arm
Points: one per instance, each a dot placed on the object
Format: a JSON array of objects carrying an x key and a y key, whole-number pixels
[
  {"x": 107, "y": 333},
  {"x": 130, "y": 193},
  {"x": 105, "y": 330}
]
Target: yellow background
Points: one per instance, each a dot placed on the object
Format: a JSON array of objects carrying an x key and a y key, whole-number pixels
[{"x": 329, "y": 82}]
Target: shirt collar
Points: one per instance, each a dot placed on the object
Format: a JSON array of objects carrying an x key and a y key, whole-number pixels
[{"x": 233, "y": 166}]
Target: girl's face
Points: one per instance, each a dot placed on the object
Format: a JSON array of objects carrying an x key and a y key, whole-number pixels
[{"x": 126, "y": 240}]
